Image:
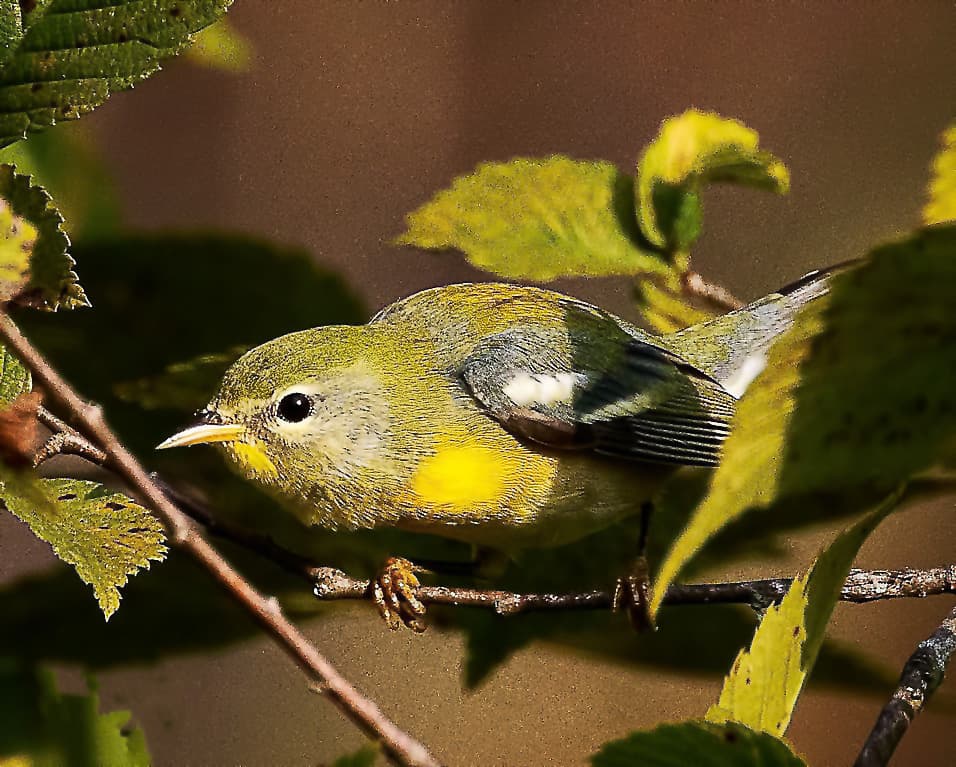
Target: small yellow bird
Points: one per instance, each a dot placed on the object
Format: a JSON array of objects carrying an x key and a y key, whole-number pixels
[{"x": 505, "y": 416}]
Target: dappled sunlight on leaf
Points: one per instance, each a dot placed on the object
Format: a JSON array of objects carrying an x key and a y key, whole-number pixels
[
  {"x": 221, "y": 46},
  {"x": 942, "y": 188},
  {"x": 35, "y": 267}
]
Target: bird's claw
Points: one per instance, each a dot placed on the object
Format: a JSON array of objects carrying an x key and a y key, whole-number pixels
[
  {"x": 394, "y": 594},
  {"x": 631, "y": 593}
]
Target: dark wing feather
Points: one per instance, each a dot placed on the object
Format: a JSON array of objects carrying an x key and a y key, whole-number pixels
[{"x": 630, "y": 398}]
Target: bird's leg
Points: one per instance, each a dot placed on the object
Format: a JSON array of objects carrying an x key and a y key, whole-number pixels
[
  {"x": 631, "y": 591},
  {"x": 394, "y": 590}
]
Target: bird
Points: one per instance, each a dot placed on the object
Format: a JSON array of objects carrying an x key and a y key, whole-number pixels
[{"x": 502, "y": 415}]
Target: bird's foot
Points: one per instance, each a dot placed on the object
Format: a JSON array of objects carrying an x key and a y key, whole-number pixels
[
  {"x": 631, "y": 593},
  {"x": 394, "y": 594}
]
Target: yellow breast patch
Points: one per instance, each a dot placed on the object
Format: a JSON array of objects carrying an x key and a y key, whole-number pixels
[{"x": 461, "y": 477}]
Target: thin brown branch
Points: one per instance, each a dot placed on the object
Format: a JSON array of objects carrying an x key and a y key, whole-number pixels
[
  {"x": 922, "y": 674},
  {"x": 184, "y": 534},
  {"x": 695, "y": 286},
  {"x": 329, "y": 583},
  {"x": 860, "y": 586}
]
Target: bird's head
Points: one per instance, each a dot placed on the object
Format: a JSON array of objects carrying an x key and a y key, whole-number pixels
[{"x": 297, "y": 410}]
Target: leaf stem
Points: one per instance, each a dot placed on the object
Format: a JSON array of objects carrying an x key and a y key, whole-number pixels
[{"x": 184, "y": 534}]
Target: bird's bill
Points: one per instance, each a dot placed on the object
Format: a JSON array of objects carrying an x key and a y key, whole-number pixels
[{"x": 202, "y": 433}]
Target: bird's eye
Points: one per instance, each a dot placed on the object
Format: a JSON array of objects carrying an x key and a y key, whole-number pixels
[{"x": 294, "y": 407}]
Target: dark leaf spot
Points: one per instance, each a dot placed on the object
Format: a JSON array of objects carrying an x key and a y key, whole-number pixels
[
  {"x": 67, "y": 497},
  {"x": 113, "y": 506}
]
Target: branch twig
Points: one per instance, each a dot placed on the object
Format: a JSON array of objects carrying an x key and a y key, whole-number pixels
[
  {"x": 65, "y": 440},
  {"x": 860, "y": 586},
  {"x": 184, "y": 534},
  {"x": 693, "y": 284},
  {"x": 329, "y": 583},
  {"x": 921, "y": 675}
]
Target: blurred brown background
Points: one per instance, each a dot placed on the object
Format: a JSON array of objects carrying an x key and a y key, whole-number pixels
[{"x": 354, "y": 114}]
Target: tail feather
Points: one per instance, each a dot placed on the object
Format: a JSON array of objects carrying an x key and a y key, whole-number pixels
[{"x": 732, "y": 348}]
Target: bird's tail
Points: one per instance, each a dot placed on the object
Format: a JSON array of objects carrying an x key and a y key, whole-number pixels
[{"x": 732, "y": 348}]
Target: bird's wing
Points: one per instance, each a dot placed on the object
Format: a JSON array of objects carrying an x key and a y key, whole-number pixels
[{"x": 595, "y": 385}]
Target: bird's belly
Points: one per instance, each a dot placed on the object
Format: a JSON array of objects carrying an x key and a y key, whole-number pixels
[{"x": 567, "y": 497}]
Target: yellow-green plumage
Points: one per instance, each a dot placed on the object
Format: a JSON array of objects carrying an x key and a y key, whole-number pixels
[{"x": 505, "y": 416}]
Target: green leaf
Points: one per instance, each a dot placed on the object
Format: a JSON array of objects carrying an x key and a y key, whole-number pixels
[
  {"x": 104, "y": 535},
  {"x": 692, "y": 149},
  {"x": 538, "y": 219},
  {"x": 856, "y": 397},
  {"x": 182, "y": 385},
  {"x": 942, "y": 188},
  {"x": 68, "y": 165},
  {"x": 701, "y": 744},
  {"x": 75, "y": 53},
  {"x": 49, "y": 282},
  {"x": 14, "y": 378},
  {"x": 11, "y": 29},
  {"x": 366, "y": 756},
  {"x": 762, "y": 688},
  {"x": 46, "y": 728},
  {"x": 221, "y": 46}
]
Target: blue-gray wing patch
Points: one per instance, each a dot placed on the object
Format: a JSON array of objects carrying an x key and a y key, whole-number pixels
[{"x": 594, "y": 385}]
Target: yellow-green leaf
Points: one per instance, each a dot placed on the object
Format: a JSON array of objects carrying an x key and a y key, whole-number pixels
[
  {"x": 538, "y": 219},
  {"x": 221, "y": 46},
  {"x": 857, "y": 396},
  {"x": 942, "y": 188},
  {"x": 14, "y": 378},
  {"x": 766, "y": 680},
  {"x": 701, "y": 744},
  {"x": 17, "y": 239},
  {"x": 106, "y": 536},
  {"x": 46, "y": 280},
  {"x": 665, "y": 310},
  {"x": 691, "y": 149}
]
